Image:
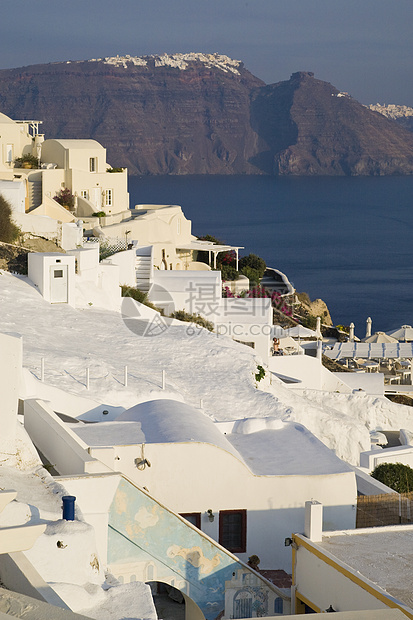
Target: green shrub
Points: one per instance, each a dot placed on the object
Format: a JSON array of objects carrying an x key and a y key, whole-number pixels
[
  {"x": 252, "y": 274},
  {"x": 99, "y": 214},
  {"x": 114, "y": 169},
  {"x": 260, "y": 374},
  {"x": 228, "y": 273},
  {"x": 397, "y": 476},
  {"x": 252, "y": 261},
  {"x": 9, "y": 232},
  {"x": 138, "y": 295},
  {"x": 181, "y": 315}
]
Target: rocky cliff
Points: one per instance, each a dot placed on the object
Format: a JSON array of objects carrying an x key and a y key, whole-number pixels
[
  {"x": 206, "y": 114},
  {"x": 311, "y": 128}
]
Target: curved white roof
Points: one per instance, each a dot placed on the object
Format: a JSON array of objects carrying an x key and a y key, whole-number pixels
[
  {"x": 77, "y": 144},
  {"x": 267, "y": 446},
  {"x": 170, "y": 421}
]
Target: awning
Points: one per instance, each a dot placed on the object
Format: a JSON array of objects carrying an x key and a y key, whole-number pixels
[
  {"x": 209, "y": 246},
  {"x": 342, "y": 350}
]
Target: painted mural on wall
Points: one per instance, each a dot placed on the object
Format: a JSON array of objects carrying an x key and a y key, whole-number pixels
[{"x": 146, "y": 542}]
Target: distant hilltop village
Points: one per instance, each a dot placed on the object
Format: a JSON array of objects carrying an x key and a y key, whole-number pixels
[
  {"x": 391, "y": 110},
  {"x": 178, "y": 61},
  {"x": 402, "y": 114},
  {"x": 201, "y": 113}
]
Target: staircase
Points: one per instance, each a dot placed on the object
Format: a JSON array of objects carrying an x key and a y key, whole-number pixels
[
  {"x": 35, "y": 194},
  {"x": 149, "y": 542},
  {"x": 143, "y": 268}
]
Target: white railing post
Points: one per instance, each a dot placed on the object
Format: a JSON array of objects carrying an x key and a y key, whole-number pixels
[
  {"x": 42, "y": 370},
  {"x": 163, "y": 380},
  {"x": 87, "y": 378}
]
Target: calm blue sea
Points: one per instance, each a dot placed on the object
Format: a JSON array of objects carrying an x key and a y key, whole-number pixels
[{"x": 348, "y": 241}]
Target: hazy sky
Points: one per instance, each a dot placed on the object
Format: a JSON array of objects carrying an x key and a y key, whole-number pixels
[{"x": 364, "y": 47}]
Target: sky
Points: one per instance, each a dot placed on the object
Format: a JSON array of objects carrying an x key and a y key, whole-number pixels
[{"x": 364, "y": 47}]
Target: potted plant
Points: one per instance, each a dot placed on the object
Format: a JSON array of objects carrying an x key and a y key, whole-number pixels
[
  {"x": 65, "y": 198},
  {"x": 26, "y": 161}
]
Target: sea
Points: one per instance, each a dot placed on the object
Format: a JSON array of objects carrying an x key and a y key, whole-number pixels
[{"x": 346, "y": 240}]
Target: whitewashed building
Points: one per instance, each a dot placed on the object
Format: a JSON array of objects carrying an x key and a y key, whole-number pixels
[{"x": 244, "y": 483}]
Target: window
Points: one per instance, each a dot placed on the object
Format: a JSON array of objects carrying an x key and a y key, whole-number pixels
[
  {"x": 192, "y": 517},
  {"x": 84, "y": 193},
  {"x": 108, "y": 197},
  {"x": 233, "y": 530},
  {"x": 278, "y": 605},
  {"x": 9, "y": 153},
  {"x": 58, "y": 273},
  {"x": 93, "y": 164}
]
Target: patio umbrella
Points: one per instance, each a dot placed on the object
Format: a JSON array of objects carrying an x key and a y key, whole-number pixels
[
  {"x": 403, "y": 333},
  {"x": 299, "y": 331},
  {"x": 278, "y": 332},
  {"x": 380, "y": 337}
]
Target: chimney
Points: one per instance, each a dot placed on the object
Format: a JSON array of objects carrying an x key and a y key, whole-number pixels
[
  {"x": 313, "y": 525},
  {"x": 368, "y": 327}
]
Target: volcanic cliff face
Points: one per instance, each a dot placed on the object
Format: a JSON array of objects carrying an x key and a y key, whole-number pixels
[
  {"x": 182, "y": 114},
  {"x": 311, "y": 128},
  {"x": 206, "y": 114}
]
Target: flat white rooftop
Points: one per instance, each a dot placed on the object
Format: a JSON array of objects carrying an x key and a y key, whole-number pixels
[
  {"x": 288, "y": 451},
  {"x": 384, "y": 555}
]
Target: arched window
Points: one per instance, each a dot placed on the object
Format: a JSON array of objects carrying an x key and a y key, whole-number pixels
[{"x": 278, "y": 605}]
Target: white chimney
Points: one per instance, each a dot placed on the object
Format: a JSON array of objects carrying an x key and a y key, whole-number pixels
[
  {"x": 368, "y": 327},
  {"x": 351, "y": 335},
  {"x": 313, "y": 524}
]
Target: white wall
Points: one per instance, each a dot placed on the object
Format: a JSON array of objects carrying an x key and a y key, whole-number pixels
[
  {"x": 164, "y": 227},
  {"x": 275, "y": 504},
  {"x": 72, "y": 236},
  {"x": 15, "y": 193},
  {"x": 41, "y": 225},
  {"x": 196, "y": 292},
  {"x": 11, "y": 351},
  {"x": 87, "y": 260},
  {"x": 59, "y": 444},
  {"x": 39, "y": 265},
  {"x": 400, "y": 454},
  {"x": 126, "y": 262},
  {"x": 366, "y": 485},
  {"x": 96, "y": 284},
  {"x": 94, "y": 495}
]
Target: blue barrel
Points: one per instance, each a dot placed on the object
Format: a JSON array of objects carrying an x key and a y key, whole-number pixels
[{"x": 69, "y": 507}]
